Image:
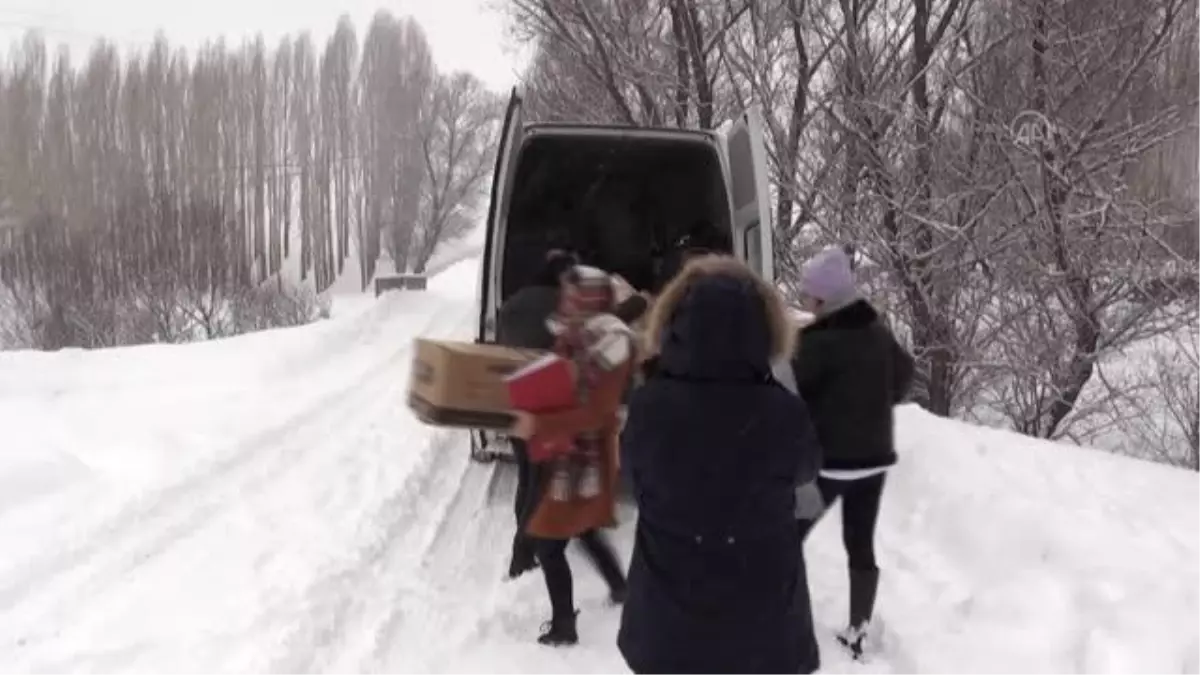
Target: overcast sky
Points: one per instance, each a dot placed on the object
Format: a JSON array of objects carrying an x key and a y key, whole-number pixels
[{"x": 464, "y": 34}]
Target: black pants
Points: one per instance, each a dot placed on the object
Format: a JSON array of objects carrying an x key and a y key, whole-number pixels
[
  {"x": 524, "y": 500},
  {"x": 860, "y": 512},
  {"x": 552, "y": 554}
]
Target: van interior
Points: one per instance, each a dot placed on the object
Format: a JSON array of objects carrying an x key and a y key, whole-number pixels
[{"x": 619, "y": 201}]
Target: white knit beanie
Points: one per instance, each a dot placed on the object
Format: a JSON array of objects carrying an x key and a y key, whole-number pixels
[{"x": 827, "y": 277}]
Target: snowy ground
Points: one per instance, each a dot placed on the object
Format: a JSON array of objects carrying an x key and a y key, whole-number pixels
[{"x": 267, "y": 503}]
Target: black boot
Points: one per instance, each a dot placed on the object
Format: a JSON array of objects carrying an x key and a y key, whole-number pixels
[
  {"x": 863, "y": 587},
  {"x": 560, "y": 632}
]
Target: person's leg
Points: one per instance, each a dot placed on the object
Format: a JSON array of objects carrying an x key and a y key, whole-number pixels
[
  {"x": 860, "y": 513},
  {"x": 521, "y": 454},
  {"x": 552, "y": 554},
  {"x": 523, "y": 554},
  {"x": 600, "y": 551}
]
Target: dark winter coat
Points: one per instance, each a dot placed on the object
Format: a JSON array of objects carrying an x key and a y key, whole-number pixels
[
  {"x": 851, "y": 372},
  {"x": 522, "y": 318},
  {"x": 521, "y": 321},
  {"x": 715, "y": 449}
]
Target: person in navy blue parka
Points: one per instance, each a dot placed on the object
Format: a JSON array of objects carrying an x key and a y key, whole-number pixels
[{"x": 715, "y": 449}]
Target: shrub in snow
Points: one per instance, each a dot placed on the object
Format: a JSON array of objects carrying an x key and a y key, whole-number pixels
[
  {"x": 275, "y": 306},
  {"x": 15, "y": 329},
  {"x": 163, "y": 313}
]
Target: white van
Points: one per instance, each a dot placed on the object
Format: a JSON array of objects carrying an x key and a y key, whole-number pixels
[{"x": 620, "y": 197}]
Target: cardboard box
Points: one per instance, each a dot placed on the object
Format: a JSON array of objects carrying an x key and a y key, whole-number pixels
[{"x": 461, "y": 384}]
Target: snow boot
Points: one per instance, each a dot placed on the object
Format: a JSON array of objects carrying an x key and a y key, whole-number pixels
[
  {"x": 559, "y": 632},
  {"x": 854, "y": 640},
  {"x": 864, "y": 584}
]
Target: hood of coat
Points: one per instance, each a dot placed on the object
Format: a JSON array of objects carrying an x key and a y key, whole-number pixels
[{"x": 718, "y": 331}]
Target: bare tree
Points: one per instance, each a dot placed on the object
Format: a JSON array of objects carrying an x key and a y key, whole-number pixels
[
  {"x": 111, "y": 170},
  {"x": 282, "y": 176},
  {"x": 338, "y": 86},
  {"x": 778, "y": 56},
  {"x": 1018, "y": 177},
  {"x": 1083, "y": 284},
  {"x": 457, "y": 142},
  {"x": 638, "y": 63},
  {"x": 397, "y": 77}
]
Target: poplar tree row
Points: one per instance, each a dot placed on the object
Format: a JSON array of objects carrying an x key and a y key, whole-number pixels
[{"x": 227, "y": 167}]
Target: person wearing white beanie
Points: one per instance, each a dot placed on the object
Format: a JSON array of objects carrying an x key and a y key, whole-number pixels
[
  {"x": 850, "y": 371},
  {"x": 827, "y": 281}
]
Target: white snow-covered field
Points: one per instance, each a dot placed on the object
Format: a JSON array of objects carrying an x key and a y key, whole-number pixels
[{"x": 267, "y": 503}]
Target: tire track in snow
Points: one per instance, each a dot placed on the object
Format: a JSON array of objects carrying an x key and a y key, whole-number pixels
[
  {"x": 466, "y": 565},
  {"x": 422, "y": 618},
  {"x": 344, "y": 601},
  {"x": 477, "y": 606},
  {"x": 245, "y": 469},
  {"x": 138, "y": 533},
  {"x": 469, "y": 498},
  {"x": 359, "y": 609},
  {"x": 458, "y": 565},
  {"x": 344, "y": 596},
  {"x": 331, "y": 475}
]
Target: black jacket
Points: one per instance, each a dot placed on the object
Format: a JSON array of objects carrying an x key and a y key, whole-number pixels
[
  {"x": 851, "y": 372},
  {"x": 715, "y": 449},
  {"x": 521, "y": 321},
  {"x": 522, "y": 318}
]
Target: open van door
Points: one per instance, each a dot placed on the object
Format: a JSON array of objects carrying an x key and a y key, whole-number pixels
[
  {"x": 749, "y": 191},
  {"x": 493, "y": 245},
  {"x": 483, "y": 444}
]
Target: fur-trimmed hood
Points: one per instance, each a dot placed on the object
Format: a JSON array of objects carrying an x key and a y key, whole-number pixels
[{"x": 717, "y": 320}]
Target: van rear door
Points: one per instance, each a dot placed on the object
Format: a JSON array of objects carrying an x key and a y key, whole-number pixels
[
  {"x": 749, "y": 190},
  {"x": 493, "y": 245}
]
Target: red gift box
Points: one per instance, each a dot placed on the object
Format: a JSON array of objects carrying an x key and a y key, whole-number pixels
[{"x": 546, "y": 385}]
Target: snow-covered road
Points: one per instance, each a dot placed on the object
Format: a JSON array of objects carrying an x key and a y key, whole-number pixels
[{"x": 268, "y": 504}]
